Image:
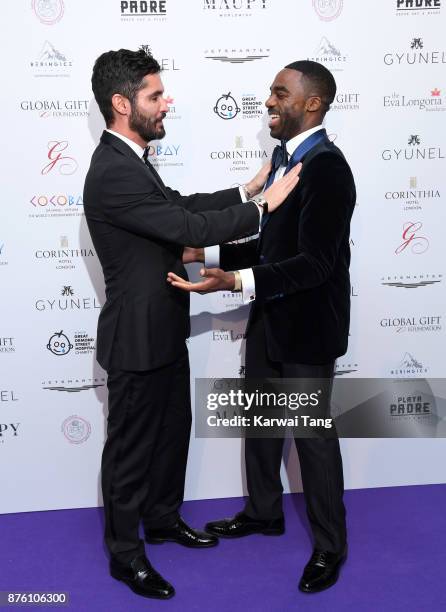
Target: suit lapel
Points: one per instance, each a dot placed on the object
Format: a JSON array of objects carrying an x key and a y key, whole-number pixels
[{"x": 122, "y": 147}]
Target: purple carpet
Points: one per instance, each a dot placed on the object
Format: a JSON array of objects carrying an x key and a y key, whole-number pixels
[{"x": 397, "y": 558}]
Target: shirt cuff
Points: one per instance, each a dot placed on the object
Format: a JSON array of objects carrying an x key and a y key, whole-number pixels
[
  {"x": 248, "y": 285},
  {"x": 212, "y": 256},
  {"x": 243, "y": 194}
]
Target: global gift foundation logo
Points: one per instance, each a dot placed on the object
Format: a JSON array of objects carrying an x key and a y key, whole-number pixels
[
  {"x": 61, "y": 109},
  {"x": 48, "y": 12},
  {"x": 327, "y": 10},
  {"x": 413, "y": 324}
]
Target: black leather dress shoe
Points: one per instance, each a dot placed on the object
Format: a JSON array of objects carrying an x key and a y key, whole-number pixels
[
  {"x": 182, "y": 534},
  {"x": 243, "y": 525},
  {"x": 142, "y": 578},
  {"x": 321, "y": 571}
]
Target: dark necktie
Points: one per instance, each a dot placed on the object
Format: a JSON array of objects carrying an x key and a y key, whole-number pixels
[
  {"x": 159, "y": 180},
  {"x": 145, "y": 157}
]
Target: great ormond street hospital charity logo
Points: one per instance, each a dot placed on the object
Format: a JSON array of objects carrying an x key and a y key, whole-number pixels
[
  {"x": 226, "y": 107},
  {"x": 59, "y": 344}
]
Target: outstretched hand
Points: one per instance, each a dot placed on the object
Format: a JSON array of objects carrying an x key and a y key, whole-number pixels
[{"x": 214, "y": 279}]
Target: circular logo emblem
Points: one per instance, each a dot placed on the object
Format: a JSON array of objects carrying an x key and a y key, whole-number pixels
[
  {"x": 48, "y": 12},
  {"x": 328, "y": 9},
  {"x": 76, "y": 429}
]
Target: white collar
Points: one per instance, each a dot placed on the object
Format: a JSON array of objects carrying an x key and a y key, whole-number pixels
[
  {"x": 293, "y": 143},
  {"x": 132, "y": 144}
]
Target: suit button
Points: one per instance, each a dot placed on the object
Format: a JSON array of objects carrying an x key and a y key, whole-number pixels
[
  {"x": 251, "y": 297},
  {"x": 262, "y": 257}
]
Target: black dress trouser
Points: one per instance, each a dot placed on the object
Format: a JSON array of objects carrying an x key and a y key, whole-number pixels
[
  {"x": 145, "y": 454},
  {"x": 320, "y": 459}
]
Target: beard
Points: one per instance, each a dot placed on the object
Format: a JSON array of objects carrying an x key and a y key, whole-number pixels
[{"x": 146, "y": 127}]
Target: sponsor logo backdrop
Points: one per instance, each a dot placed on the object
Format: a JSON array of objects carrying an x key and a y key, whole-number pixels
[{"x": 219, "y": 58}]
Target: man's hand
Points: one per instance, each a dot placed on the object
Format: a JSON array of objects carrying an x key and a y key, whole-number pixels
[
  {"x": 255, "y": 185},
  {"x": 280, "y": 190},
  {"x": 191, "y": 255},
  {"x": 214, "y": 279}
]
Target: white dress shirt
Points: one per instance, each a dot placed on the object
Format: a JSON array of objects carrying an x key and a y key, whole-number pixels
[{"x": 212, "y": 254}]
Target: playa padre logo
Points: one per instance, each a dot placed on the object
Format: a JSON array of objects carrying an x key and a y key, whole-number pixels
[
  {"x": 328, "y": 10},
  {"x": 48, "y": 12},
  {"x": 143, "y": 10},
  {"x": 417, "y": 7}
]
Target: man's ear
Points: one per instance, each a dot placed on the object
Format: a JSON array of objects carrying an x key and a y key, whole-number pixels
[
  {"x": 121, "y": 104},
  {"x": 313, "y": 104}
]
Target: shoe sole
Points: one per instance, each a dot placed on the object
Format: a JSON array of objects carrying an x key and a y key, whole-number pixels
[
  {"x": 141, "y": 593},
  {"x": 163, "y": 540},
  {"x": 265, "y": 532},
  {"x": 327, "y": 586}
]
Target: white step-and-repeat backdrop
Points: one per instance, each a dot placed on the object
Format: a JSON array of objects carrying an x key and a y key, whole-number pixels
[{"x": 388, "y": 58}]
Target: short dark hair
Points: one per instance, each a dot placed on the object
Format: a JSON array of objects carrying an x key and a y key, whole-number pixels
[
  {"x": 319, "y": 78},
  {"x": 120, "y": 72}
]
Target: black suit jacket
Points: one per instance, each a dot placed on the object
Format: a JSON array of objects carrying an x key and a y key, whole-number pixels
[
  {"x": 301, "y": 263},
  {"x": 138, "y": 227}
]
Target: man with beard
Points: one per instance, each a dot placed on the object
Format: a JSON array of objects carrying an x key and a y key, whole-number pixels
[
  {"x": 296, "y": 274},
  {"x": 138, "y": 227}
]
